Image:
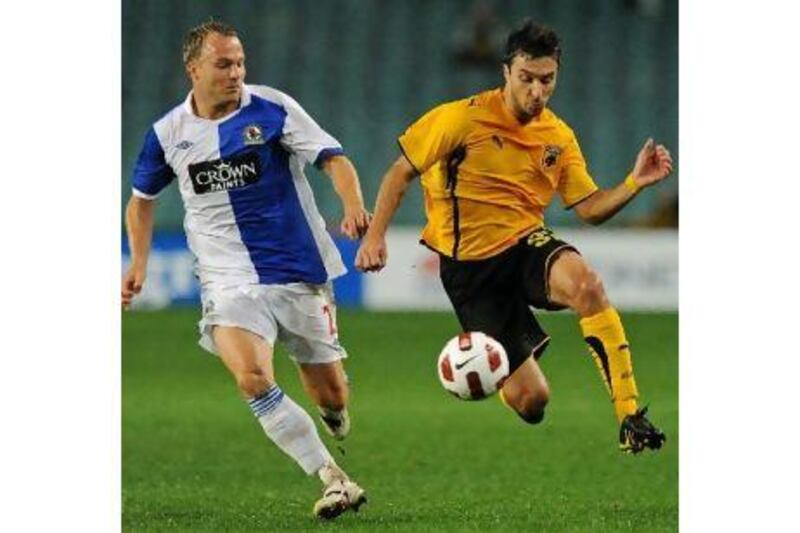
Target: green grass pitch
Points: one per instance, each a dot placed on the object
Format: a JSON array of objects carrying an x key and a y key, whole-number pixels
[{"x": 195, "y": 459}]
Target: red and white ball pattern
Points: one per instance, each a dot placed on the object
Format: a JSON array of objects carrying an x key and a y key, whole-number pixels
[{"x": 473, "y": 366}]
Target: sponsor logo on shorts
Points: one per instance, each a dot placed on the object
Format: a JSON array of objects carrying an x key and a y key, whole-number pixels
[
  {"x": 225, "y": 174},
  {"x": 184, "y": 145}
]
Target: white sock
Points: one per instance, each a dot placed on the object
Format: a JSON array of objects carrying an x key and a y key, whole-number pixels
[{"x": 291, "y": 429}]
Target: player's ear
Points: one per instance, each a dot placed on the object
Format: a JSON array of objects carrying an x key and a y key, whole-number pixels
[{"x": 190, "y": 69}]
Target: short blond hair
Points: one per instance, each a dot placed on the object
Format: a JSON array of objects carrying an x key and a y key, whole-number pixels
[{"x": 193, "y": 41}]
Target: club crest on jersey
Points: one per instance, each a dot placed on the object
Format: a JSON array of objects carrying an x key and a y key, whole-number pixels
[
  {"x": 550, "y": 157},
  {"x": 252, "y": 135}
]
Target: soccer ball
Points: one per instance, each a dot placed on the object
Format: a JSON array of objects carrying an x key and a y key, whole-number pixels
[{"x": 473, "y": 366}]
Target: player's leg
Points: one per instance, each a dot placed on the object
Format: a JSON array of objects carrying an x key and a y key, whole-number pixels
[
  {"x": 486, "y": 298},
  {"x": 573, "y": 283},
  {"x": 240, "y": 327},
  {"x": 307, "y": 327},
  {"x": 307, "y": 314},
  {"x": 326, "y": 385},
  {"x": 249, "y": 359},
  {"x": 526, "y": 391}
]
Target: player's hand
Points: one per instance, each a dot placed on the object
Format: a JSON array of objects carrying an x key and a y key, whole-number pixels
[
  {"x": 653, "y": 164},
  {"x": 132, "y": 283},
  {"x": 371, "y": 255},
  {"x": 355, "y": 222}
]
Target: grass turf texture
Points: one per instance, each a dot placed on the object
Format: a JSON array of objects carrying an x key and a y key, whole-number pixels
[{"x": 195, "y": 459}]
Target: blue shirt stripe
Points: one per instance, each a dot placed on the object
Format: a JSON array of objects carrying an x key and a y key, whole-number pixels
[{"x": 268, "y": 213}]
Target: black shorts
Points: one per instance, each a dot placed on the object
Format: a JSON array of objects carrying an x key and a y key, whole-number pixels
[{"x": 495, "y": 295}]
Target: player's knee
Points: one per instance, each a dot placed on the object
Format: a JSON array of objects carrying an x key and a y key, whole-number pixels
[
  {"x": 532, "y": 414},
  {"x": 591, "y": 295},
  {"x": 532, "y": 417},
  {"x": 532, "y": 405},
  {"x": 252, "y": 382}
]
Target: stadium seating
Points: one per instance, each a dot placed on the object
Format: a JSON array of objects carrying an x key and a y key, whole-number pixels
[{"x": 366, "y": 68}]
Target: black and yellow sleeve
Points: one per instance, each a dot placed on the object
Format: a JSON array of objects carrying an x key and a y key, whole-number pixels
[
  {"x": 575, "y": 184},
  {"x": 434, "y": 136}
]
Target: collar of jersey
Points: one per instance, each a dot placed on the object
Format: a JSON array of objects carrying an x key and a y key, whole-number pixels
[
  {"x": 243, "y": 102},
  {"x": 543, "y": 121}
]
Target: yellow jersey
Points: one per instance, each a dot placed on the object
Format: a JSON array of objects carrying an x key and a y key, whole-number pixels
[{"x": 486, "y": 178}]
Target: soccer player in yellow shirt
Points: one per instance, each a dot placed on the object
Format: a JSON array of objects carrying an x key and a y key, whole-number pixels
[{"x": 490, "y": 165}]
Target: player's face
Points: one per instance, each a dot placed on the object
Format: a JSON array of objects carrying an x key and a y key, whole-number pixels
[
  {"x": 529, "y": 85},
  {"x": 218, "y": 73}
]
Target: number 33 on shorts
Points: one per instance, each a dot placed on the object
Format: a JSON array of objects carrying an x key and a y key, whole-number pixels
[{"x": 540, "y": 237}]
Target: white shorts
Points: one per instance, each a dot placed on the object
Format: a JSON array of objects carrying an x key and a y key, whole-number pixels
[{"x": 300, "y": 315}]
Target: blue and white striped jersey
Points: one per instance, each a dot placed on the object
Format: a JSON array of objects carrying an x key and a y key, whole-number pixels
[{"x": 250, "y": 212}]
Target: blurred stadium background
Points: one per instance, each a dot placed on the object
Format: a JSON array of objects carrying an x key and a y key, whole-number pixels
[
  {"x": 365, "y": 69},
  {"x": 193, "y": 459}
]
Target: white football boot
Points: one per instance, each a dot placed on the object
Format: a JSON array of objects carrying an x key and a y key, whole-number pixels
[
  {"x": 338, "y": 497},
  {"x": 339, "y": 494},
  {"x": 334, "y": 501},
  {"x": 356, "y": 496}
]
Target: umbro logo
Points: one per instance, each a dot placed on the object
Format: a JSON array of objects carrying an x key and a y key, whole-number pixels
[{"x": 184, "y": 145}]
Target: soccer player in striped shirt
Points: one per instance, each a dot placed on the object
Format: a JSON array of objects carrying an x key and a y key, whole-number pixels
[{"x": 264, "y": 258}]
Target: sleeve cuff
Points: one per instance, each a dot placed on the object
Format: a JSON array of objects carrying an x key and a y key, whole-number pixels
[
  {"x": 410, "y": 162},
  {"x": 573, "y": 204},
  {"x": 326, "y": 154},
  {"x": 140, "y": 194}
]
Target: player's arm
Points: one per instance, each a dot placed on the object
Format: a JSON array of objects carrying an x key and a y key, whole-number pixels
[
  {"x": 372, "y": 253},
  {"x": 345, "y": 181},
  {"x": 427, "y": 141},
  {"x": 151, "y": 175},
  {"x": 139, "y": 224},
  {"x": 653, "y": 164}
]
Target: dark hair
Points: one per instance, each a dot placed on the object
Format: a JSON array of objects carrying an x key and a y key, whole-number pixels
[
  {"x": 534, "y": 40},
  {"x": 193, "y": 41}
]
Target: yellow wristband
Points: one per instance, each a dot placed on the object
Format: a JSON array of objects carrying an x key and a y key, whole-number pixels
[{"x": 630, "y": 183}]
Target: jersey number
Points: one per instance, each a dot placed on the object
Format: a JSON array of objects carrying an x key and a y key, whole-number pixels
[{"x": 540, "y": 238}]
